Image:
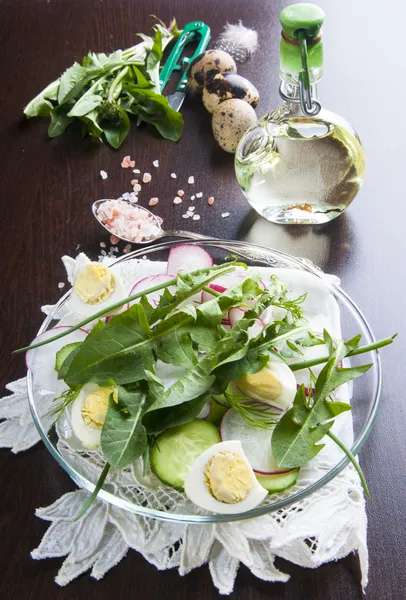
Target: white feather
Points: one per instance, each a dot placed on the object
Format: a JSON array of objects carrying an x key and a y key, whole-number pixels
[{"x": 240, "y": 36}]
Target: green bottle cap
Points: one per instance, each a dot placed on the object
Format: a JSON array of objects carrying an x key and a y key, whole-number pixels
[{"x": 302, "y": 16}]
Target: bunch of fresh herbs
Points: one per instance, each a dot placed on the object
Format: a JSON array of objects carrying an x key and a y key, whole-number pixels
[{"x": 105, "y": 90}]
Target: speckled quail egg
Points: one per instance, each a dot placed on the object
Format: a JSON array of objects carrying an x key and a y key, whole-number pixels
[
  {"x": 231, "y": 119},
  {"x": 225, "y": 86},
  {"x": 208, "y": 64},
  {"x": 221, "y": 480},
  {"x": 88, "y": 413},
  {"x": 94, "y": 287}
]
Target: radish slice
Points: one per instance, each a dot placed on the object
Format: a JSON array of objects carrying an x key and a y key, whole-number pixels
[
  {"x": 149, "y": 282},
  {"x": 235, "y": 315},
  {"x": 256, "y": 442},
  {"x": 188, "y": 258},
  {"x": 204, "y": 413},
  {"x": 41, "y": 361},
  {"x": 206, "y": 296}
]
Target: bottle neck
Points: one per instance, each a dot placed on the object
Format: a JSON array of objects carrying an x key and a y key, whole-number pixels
[{"x": 290, "y": 91}]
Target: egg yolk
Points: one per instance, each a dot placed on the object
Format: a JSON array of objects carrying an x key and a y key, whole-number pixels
[
  {"x": 94, "y": 283},
  {"x": 263, "y": 385},
  {"x": 228, "y": 477},
  {"x": 94, "y": 406}
]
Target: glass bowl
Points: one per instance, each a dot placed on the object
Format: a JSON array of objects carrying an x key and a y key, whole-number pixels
[{"x": 365, "y": 399}]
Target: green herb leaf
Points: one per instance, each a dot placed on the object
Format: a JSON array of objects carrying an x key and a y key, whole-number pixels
[
  {"x": 153, "y": 108},
  {"x": 296, "y": 438},
  {"x": 59, "y": 121},
  {"x": 123, "y": 437},
  {"x": 117, "y": 131},
  {"x": 41, "y": 106}
]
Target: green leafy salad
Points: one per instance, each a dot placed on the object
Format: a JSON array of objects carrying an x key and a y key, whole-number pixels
[
  {"x": 223, "y": 379},
  {"x": 105, "y": 90}
]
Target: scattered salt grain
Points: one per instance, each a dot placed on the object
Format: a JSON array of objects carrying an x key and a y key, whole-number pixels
[
  {"x": 177, "y": 200},
  {"x": 191, "y": 180},
  {"x": 102, "y": 244},
  {"x": 196, "y": 217},
  {"x": 191, "y": 208},
  {"x": 61, "y": 285},
  {"x": 153, "y": 202},
  {"x": 103, "y": 253},
  {"x": 136, "y": 171},
  {"x": 146, "y": 178},
  {"x": 114, "y": 240},
  {"x": 225, "y": 215},
  {"x": 136, "y": 188},
  {"x": 134, "y": 181},
  {"x": 144, "y": 257},
  {"x": 126, "y": 195},
  {"x": 199, "y": 195},
  {"x": 103, "y": 174},
  {"x": 185, "y": 216},
  {"x": 192, "y": 198},
  {"x": 181, "y": 193},
  {"x": 155, "y": 163},
  {"x": 173, "y": 175},
  {"x": 210, "y": 201},
  {"x": 127, "y": 163},
  {"x": 189, "y": 213}
]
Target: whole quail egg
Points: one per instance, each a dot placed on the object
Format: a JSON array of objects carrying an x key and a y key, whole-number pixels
[
  {"x": 208, "y": 64},
  {"x": 231, "y": 119},
  {"x": 225, "y": 86}
]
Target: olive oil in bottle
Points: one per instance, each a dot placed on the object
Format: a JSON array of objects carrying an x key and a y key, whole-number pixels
[{"x": 300, "y": 164}]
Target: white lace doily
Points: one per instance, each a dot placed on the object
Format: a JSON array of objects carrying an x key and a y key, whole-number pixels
[{"x": 326, "y": 526}]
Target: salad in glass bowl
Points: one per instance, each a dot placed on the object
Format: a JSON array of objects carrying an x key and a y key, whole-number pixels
[{"x": 218, "y": 374}]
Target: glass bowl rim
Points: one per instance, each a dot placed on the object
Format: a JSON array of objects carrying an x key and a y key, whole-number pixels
[{"x": 261, "y": 510}]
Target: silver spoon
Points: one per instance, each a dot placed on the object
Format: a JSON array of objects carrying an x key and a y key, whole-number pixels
[{"x": 162, "y": 233}]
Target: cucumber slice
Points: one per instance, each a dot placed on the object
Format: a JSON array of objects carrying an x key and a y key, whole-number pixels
[
  {"x": 176, "y": 449},
  {"x": 278, "y": 482},
  {"x": 63, "y": 353}
]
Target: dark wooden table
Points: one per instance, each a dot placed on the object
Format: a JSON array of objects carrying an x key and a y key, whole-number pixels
[{"x": 45, "y": 193}]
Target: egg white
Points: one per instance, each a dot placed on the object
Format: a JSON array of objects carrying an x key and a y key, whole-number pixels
[
  {"x": 79, "y": 307},
  {"x": 197, "y": 491},
  {"x": 89, "y": 436}
]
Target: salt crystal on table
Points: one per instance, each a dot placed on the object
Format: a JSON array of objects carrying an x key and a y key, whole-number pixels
[
  {"x": 136, "y": 171},
  {"x": 155, "y": 163},
  {"x": 199, "y": 194},
  {"x": 185, "y": 216},
  {"x": 191, "y": 208},
  {"x": 102, "y": 245},
  {"x": 225, "y": 214},
  {"x": 61, "y": 285},
  {"x": 136, "y": 188},
  {"x": 146, "y": 178},
  {"x": 126, "y": 195},
  {"x": 173, "y": 175},
  {"x": 196, "y": 217},
  {"x": 189, "y": 213},
  {"x": 153, "y": 201},
  {"x": 192, "y": 198},
  {"x": 181, "y": 193},
  {"x": 210, "y": 201},
  {"x": 191, "y": 179},
  {"x": 177, "y": 200},
  {"x": 103, "y": 174}
]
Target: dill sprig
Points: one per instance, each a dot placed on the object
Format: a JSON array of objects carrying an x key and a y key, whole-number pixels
[{"x": 256, "y": 414}]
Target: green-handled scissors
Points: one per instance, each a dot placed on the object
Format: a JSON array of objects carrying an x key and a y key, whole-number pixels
[{"x": 196, "y": 30}]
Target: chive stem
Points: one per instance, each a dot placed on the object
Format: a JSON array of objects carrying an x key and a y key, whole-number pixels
[
  {"x": 305, "y": 364},
  {"x": 351, "y": 458},
  {"x": 95, "y": 492},
  {"x": 119, "y": 304}
]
